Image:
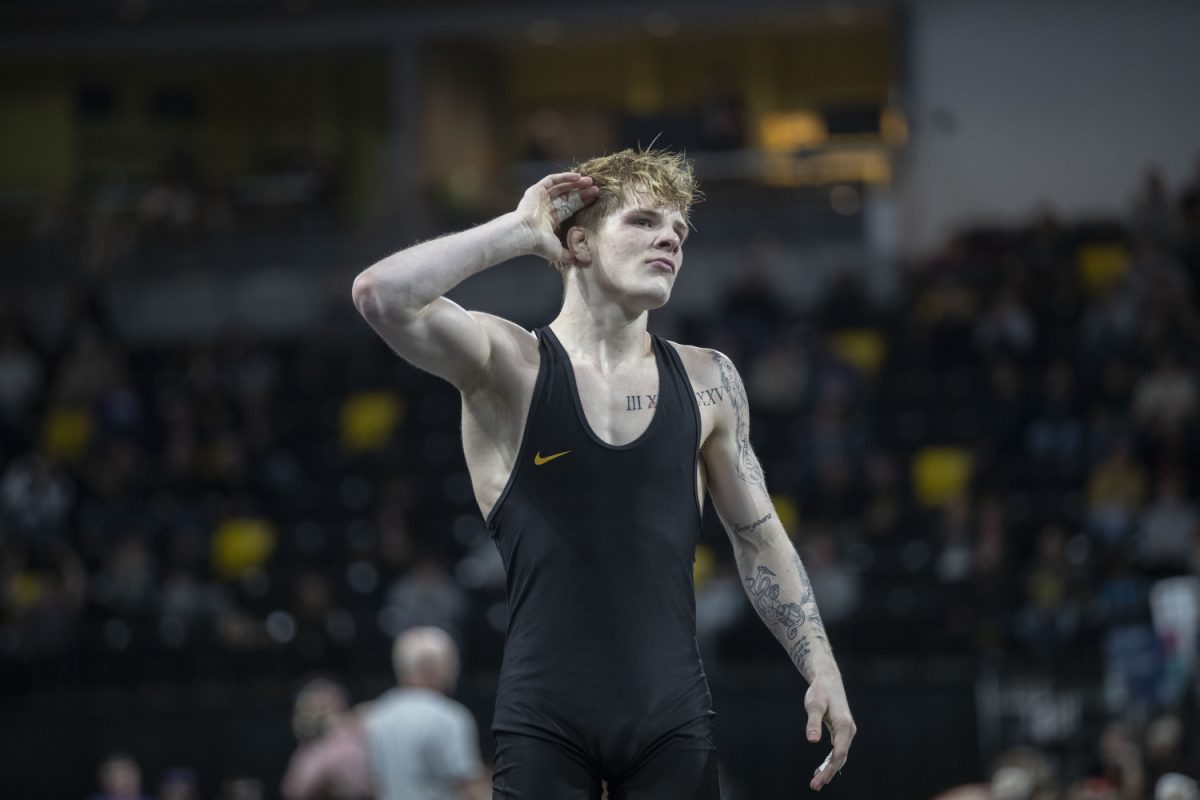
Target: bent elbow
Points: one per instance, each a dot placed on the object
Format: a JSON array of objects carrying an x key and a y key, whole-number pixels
[
  {"x": 365, "y": 293},
  {"x": 382, "y": 301}
]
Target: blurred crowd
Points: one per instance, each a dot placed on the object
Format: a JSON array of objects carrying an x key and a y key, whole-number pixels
[{"x": 1002, "y": 463}]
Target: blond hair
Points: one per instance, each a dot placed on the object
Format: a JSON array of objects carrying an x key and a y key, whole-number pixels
[{"x": 663, "y": 178}]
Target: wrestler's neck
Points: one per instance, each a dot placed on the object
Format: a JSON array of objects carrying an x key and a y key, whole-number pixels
[{"x": 601, "y": 330}]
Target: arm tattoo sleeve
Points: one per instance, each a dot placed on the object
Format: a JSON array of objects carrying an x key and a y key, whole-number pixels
[
  {"x": 798, "y": 625},
  {"x": 748, "y": 468}
]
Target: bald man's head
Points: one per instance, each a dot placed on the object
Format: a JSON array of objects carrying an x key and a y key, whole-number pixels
[{"x": 426, "y": 657}]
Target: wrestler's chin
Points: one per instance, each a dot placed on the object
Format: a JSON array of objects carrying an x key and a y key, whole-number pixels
[
  {"x": 647, "y": 302},
  {"x": 652, "y": 297}
]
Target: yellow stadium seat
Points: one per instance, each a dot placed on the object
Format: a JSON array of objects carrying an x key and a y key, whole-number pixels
[
  {"x": 940, "y": 474},
  {"x": 370, "y": 419},
  {"x": 241, "y": 545},
  {"x": 66, "y": 433},
  {"x": 862, "y": 348},
  {"x": 1102, "y": 265}
]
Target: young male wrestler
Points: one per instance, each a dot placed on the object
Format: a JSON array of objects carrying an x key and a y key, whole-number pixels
[{"x": 590, "y": 456}]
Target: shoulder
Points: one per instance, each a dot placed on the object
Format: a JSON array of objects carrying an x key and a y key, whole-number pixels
[
  {"x": 718, "y": 387},
  {"x": 512, "y": 364},
  {"x": 708, "y": 367},
  {"x": 703, "y": 364},
  {"x": 507, "y": 337}
]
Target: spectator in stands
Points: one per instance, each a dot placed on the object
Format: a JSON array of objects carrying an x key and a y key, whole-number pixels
[
  {"x": 178, "y": 784},
  {"x": 36, "y": 494},
  {"x": 426, "y": 595},
  {"x": 1055, "y": 436},
  {"x": 22, "y": 378},
  {"x": 752, "y": 309},
  {"x": 422, "y": 743},
  {"x": 1115, "y": 491},
  {"x": 1051, "y": 612},
  {"x": 1174, "y": 786},
  {"x": 1120, "y": 761},
  {"x": 1110, "y": 322},
  {"x": 241, "y": 788},
  {"x": 120, "y": 778},
  {"x": 330, "y": 762},
  {"x": 41, "y": 596},
  {"x": 1168, "y": 529},
  {"x": 1007, "y": 326},
  {"x": 1164, "y": 400},
  {"x": 127, "y": 584},
  {"x": 88, "y": 368},
  {"x": 722, "y": 115},
  {"x": 1153, "y": 219},
  {"x": 992, "y": 589},
  {"x": 1021, "y": 773},
  {"x": 1164, "y": 747}
]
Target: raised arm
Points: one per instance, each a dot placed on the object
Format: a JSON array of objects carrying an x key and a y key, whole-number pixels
[
  {"x": 402, "y": 295},
  {"x": 772, "y": 573}
]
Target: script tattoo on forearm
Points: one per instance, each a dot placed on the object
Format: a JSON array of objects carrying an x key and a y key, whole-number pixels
[
  {"x": 748, "y": 468},
  {"x": 764, "y": 593},
  {"x": 751, "y": 527}
]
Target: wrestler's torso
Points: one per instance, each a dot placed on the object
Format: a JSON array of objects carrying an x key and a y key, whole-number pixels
[
  {"x": 598, "y": 539},
  {"x": 618, "y": 405}
]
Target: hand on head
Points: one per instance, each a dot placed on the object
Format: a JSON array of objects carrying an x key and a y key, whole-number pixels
[{"x": 548, "y": 204}]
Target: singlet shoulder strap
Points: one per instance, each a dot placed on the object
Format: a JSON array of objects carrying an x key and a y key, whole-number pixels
[
  {"x": 675, "y": 371},
  {"x": 532, "y": 414}
]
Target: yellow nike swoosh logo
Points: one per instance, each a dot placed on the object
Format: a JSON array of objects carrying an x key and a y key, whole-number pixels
[{"x": 539, "y": 460}]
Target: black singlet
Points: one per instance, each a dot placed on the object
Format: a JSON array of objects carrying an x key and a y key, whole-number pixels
[{"x": 599, "y": 542}]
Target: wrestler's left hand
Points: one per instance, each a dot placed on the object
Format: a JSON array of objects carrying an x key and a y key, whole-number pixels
[{"x": 825, "y": 702}]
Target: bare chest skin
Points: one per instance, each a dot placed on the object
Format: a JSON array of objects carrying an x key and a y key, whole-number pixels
[
  {"x": 618, "y": 407},
  {"x": 608, "y": 399}
]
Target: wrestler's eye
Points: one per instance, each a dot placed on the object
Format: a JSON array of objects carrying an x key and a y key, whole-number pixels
[{"x": 645, "y": 222}]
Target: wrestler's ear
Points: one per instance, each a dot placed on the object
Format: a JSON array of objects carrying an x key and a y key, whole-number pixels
[{"x": 579, "y": 245}]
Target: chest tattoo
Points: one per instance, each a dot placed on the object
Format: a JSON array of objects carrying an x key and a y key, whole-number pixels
[{"x": 646, "y": 402}]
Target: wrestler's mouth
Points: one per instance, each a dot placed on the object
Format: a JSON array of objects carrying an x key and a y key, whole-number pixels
[{"x": 665, "y": 264}]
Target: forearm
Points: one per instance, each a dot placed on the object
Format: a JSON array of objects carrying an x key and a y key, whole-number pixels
[
  {"x": 406, "y": 282},
  {"x": 781, "y": 593}
]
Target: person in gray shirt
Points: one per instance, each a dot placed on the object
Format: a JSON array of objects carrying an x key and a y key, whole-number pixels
[{"x": 423, "y": 745}]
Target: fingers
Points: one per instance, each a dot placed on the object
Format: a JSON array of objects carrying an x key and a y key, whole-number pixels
[
  {"x": 566, "y": 205},
  {"x": 567, "y": 199},
  {"x": 559, "y": 177},
  {"x": 813, "y": 729},
  {"x": 833, "y": 763},
  {"x": 576, "y": 184},
  {"x": 556, "y": 198},
  {"x": 841, "y": 747},
  {"x": 822, "y": 774}
]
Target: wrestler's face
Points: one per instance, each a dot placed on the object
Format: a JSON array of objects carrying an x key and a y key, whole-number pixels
[{"x": 637, "y": 252}]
